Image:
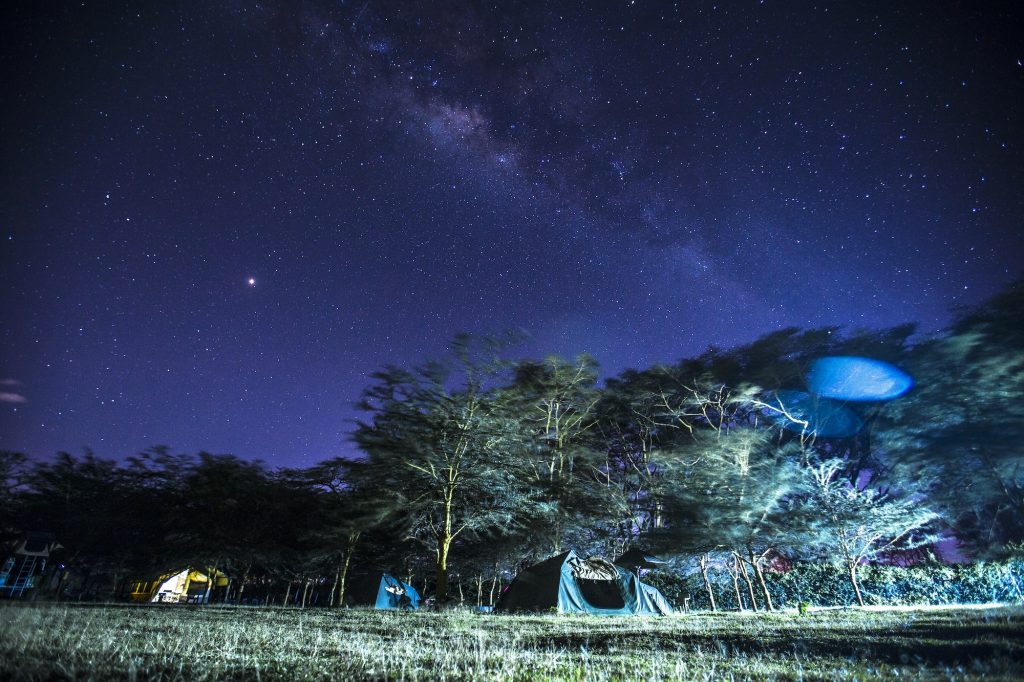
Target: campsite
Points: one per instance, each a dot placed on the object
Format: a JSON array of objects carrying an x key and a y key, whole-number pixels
[
  {"x": 517, "y": 520},
  {"x": 512, "y": 341}
]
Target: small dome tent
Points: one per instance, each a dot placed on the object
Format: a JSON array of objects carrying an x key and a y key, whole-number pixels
[
  {"x": 381, "y": 591},
  {"x": 571, "y": 584}
]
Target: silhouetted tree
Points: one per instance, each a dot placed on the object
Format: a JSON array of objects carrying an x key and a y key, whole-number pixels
[
  {"x": 444, "y": 452},
  {"x": 87, "y": 504}
]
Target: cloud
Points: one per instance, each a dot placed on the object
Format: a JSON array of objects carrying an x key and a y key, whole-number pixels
[
  {"x": 9, "y": 382},
  {"x": 12, "y": 398}
]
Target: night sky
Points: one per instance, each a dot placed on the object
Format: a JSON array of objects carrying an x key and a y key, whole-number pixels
[{"x": 218, "y": 219}]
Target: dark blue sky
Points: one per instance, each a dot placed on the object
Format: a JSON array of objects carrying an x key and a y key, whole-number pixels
[{"x": 638, "y": 180}]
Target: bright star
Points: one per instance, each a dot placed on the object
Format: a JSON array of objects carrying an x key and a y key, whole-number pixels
[{"x": 252, "y": 281}]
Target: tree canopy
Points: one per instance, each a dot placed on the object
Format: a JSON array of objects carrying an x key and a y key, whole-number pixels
[{"x": 475, "y": 463}]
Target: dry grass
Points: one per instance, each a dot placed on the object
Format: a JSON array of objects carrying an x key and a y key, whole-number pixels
[{"x": 218, "y": 643}]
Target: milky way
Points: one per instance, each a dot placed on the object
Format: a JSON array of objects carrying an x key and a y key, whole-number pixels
[{"x": 219, "y": 220}]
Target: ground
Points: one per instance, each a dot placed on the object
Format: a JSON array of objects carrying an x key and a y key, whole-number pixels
[{"x": 215, "y": 643}]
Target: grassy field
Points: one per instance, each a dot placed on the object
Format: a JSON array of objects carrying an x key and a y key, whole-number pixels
[{"x": 216, "y": 643}]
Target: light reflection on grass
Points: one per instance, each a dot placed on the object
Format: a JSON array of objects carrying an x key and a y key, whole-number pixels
[{"x": 179, "y": 643}]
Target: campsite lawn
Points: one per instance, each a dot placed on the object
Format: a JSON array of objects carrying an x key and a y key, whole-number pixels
[{"x": 214, "y": 643}]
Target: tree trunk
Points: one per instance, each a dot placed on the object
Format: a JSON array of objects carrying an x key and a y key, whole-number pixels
[
  {"x": 462, "y": 597},
  {"x": 211, "y": 580},
  {"x": 444, "y": 542},
  {"x": 853, "y": 581},
  {"x": 756, "y": 563},
  {"x": 86, "y": 583},
  {"x": 287, "y": 593},
  {"x": 60, "y": 584},
  {"x": 479, "y": 590},
  {"x": 750, "y": 585},
  {"x": 441, "y": 585},
  {"x": 735, "y": 575},
  {"x": 556, "y": 529},
  {"x": 334, "y": 587},
  {"x": 340, "y": 577},
  {"x": 305, "y": 592},
  {"x": 344, "y": 573},
  {"x": 707, "y": 583},
  {"x": 494, "y": 584},
  {"x": 245, "y": 579}
]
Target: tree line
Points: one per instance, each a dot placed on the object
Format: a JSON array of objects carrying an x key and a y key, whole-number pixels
[{"x": 474, "y": 465}]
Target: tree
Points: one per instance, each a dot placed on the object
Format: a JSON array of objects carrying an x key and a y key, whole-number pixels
[
  {"x": 445, "y": 453},
  {"x": 87, "y": 504},
  {"x": 960, "y": 429},
  {"x": 13, "y": 473},
  {"x": 555, "y": 402},
  {"x": 348, "y": 508},
  {"x": 856, "y": 525},
  {"x": 239, "y": 515},
  {"x": 713, "y": 473},
  {"x": 633, "y": 441},
  {"x": 729, "y": 492}
]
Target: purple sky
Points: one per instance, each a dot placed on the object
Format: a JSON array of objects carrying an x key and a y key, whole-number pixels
[{"x": 634, "y": 180}]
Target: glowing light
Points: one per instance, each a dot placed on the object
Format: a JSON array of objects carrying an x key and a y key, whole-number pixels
[{"x": 857, "y": 379}]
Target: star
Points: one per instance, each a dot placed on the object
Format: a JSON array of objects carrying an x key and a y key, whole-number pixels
[{"x": 252, "y": 281}]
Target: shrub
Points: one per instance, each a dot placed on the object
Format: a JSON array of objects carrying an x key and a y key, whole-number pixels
[{"x": 827, "y": 585}]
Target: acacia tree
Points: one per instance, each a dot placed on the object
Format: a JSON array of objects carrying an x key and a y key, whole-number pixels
[
  {"x": 241, "y": 516},
  {"x": 725, "y": 483},
  {"x": 13, "y": 472},
  {"x": 961, "y": 427},
  {"x": 346, "y": 497},
  {"x": 82, "y": 501},
  {"x": 555, "y": 402},
  {"x": 636, "y": 441},
  {"x": 856, "y": 525},
  {"x": 735, "y": 488},
  {"x": 445, "y": 453}
]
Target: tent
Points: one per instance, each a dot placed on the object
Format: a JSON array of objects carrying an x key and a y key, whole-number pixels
[
  {"x": 572, "y": 584},
  {"x": 24, "y": 566},
  {"x": 381, "y": 591},
  {"x": 657, "y": 598},
  {"x": 187, "y": 585}
]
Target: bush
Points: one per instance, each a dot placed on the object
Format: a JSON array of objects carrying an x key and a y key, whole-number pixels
[{"x": 828, "y": 585}]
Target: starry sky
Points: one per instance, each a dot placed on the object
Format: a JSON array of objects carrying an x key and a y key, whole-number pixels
[{"x": 219, "y": 218}]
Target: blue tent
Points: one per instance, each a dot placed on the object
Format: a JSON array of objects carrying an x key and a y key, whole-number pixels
[
  {"x": 843, "y": 377},
  {"x": 382, "y": 592},
  {"x": 657, "y": 599},
  {"x": 571, "y": 584}
]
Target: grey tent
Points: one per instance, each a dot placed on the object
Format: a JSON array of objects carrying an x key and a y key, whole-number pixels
[{"x": 572, "y": 584}]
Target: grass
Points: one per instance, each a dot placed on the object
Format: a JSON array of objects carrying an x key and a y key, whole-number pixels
[{"x": 42, "y": 642}]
